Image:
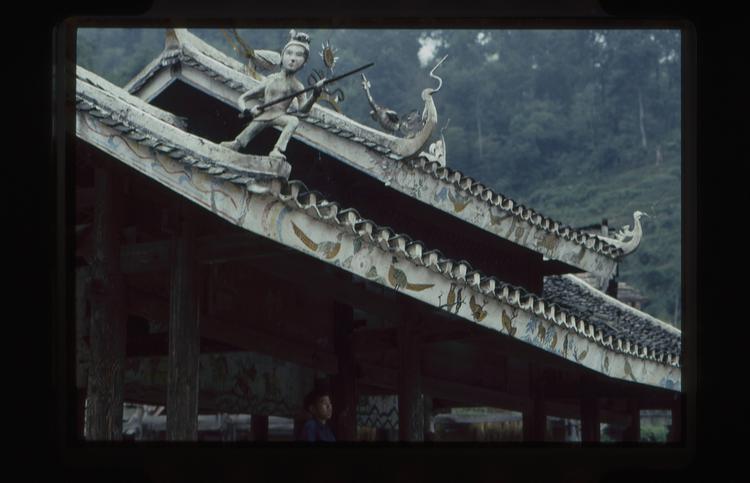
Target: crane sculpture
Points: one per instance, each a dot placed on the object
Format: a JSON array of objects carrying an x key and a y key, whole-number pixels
[{"x": 627, "y": 239}]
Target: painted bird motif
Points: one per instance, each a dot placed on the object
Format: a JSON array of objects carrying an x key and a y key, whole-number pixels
[
  {"x": 477, "y": 310},
  {"x": 459, "y": 202},
  {"x": 629, "y": 370},
  {"x": 397, "y": 278},
  {"x": 328, "y": 249},
  {"x": 508, "y": 324}
]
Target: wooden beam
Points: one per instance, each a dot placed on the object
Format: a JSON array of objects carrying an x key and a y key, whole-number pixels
[
  {"x": 146, "y": 257},
  {"x": 184, "y": 338},
  {"x": 244, "y": 338},
  {"x": 444, "y": 390},
  {"x": 269, "y": 258},
  {"x": 107, "y": 340},
  {"x": 374, "y": 340}
]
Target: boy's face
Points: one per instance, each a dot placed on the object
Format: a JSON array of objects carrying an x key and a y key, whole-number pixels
[
  {"x": 322, "y": 409},
  {"x": 293, "y": 58}
]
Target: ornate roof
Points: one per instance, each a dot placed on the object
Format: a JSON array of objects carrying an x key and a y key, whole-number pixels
[
  {"x": 398, "y": 162},
  {"x": 289, "y": 213}
]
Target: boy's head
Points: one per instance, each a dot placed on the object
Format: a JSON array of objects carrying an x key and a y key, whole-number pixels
[
  {"x": 296, "y": 51},
  {"x": 318, "y": 403}
]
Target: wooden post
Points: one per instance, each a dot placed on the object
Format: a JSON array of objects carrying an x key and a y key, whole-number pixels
[
  {"x": 344, "y": 420},
  {"x": 534, "y": 416},
  {"x": 590, "y": 419},
  {"x": 429, "y": 427},
  {"x": 633, "y": 431},
  {"x": 107, "y": 329},
  {"x": 259, "y": 427},
  {"x": 82, "y": 355},
  {"x": 675, "y": 430},
  {"x": 410, "y": 406},
  {"x": 184, "y": 336}
]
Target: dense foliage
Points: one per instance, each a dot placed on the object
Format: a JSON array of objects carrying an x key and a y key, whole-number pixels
[{"x": 580, "y": 125}]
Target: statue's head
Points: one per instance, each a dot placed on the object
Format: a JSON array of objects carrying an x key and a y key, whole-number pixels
[{"x": 296, "y": 51}]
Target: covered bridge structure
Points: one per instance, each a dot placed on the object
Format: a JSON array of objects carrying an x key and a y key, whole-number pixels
[{"x": 212, "y": 281}]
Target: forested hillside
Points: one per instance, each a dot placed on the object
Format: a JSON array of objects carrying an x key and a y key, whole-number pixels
[{"x": 580, "y": 125}]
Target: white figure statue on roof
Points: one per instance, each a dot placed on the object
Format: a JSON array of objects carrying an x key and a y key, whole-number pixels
[{"x": 294, "y": 55}]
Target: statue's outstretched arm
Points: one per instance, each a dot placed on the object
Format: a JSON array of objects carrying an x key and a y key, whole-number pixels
[{"x": 254, "y": 92}]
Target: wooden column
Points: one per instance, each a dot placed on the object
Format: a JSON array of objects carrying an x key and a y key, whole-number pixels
[
  {"x": 429, "y": 429},
  {"x": 82, "y": 352},
  {"x": 259, "y": 427},
  {"x": 675, "y": 432},
  {"x": 410, "y": 405},
  {"x": 633, "y": 431},
  {"x": 590, "y": 419},
  {"x": 107, "y": 328},
  {"x": 344, "y": 420},
  {"x": 184, "y": 336},
  {"x": 534, "y": 416}
]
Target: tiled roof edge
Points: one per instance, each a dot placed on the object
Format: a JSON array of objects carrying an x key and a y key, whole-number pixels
[
  {"x": 608, "y": 299},
  {"x": 488, "y": 196},
  {"x": 297, "y": 194}
]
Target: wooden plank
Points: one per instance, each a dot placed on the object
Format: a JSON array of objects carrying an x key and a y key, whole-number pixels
[
  {"x": 107, "y": 329},
  {"x": 184, "y": 339}
]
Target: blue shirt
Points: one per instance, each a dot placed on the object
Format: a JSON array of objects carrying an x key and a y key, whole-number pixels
[{"x": 313, "y": 430}]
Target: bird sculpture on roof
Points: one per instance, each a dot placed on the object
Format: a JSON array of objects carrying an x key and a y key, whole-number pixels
[
  {"x": 388, "y": 118},
  {"x": 627, "y": 239}
]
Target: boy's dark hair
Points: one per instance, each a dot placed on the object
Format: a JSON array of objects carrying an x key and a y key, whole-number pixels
[{"x": 313, "y": 396}]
